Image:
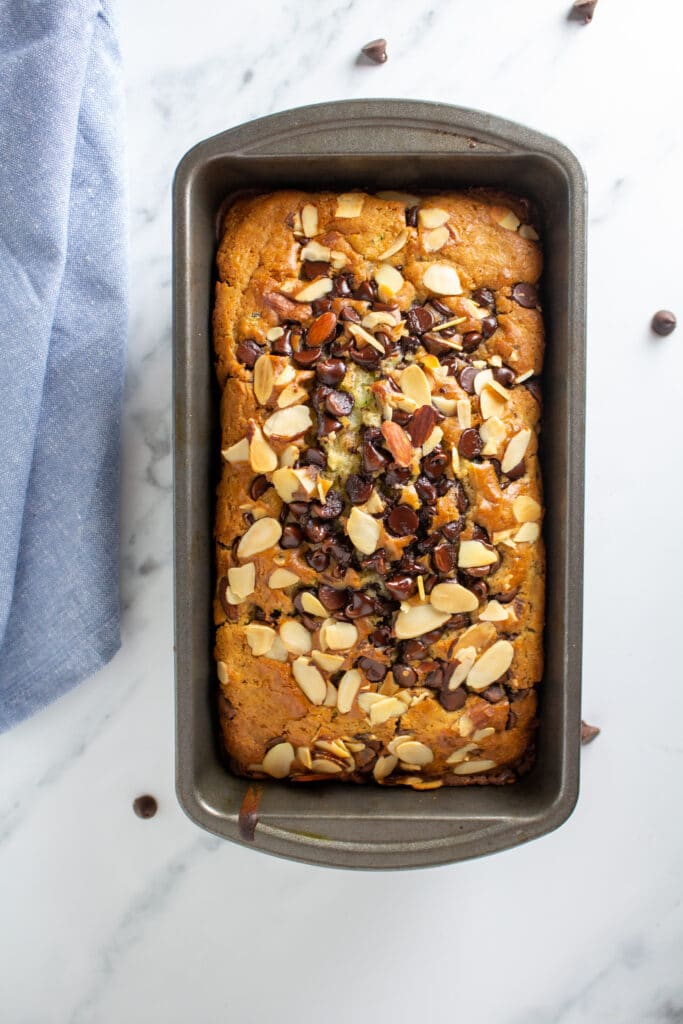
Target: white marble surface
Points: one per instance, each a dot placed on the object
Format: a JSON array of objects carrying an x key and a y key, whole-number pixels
[{"x": 107, "y": 918}]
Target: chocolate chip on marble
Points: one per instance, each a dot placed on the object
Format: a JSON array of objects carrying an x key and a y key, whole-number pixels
[
  {"x": 358, "y": 488},
  {"x": 470, "y": 443},
  {"x": 145, "y": 806},
  {"x": 525, "y": 294},
  {"x": 664, "y": 322},
  {"x": 582, "y": 10},
  {"x": 404, "y": 676},
  {"x": 588, "y": 732},
  {"x": 248, "y": 352},
  {"x": 402, "y": 520},
  {"x": 375, "y": 50},
  {"x": 292, "y": 536}
]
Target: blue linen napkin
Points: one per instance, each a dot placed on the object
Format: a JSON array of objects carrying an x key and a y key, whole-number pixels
[{"x": 63, "y": 318}]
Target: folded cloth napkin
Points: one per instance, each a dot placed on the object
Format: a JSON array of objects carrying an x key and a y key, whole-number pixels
[{"x": 63, "y": 317}]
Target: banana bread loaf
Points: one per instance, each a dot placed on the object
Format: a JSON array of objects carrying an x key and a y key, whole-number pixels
[{"x": 380, "y": 565}]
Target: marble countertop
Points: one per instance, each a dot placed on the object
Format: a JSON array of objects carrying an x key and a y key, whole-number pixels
[{"x": 109, "y": 918}]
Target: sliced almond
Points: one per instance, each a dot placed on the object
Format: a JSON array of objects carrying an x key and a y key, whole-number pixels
[
  {"x": 274, "y": 333},
  {"x": 286, "y": 483},
  {"x": 367, "y": 699},
  {"x": 278, "y": 760},
  {"x": 448, "y": 406},
  {"x": 374, "y": 505},
  {"x": 323, "y": 766},
  {"x": 260, "y": 536},
  {"x": 526, "y": 509},
  {"x": 304, "y": 756},
  {"x": 286, "y": 375},
  {"x": 309, "y": 680},
  {"x": 330, "y": 695},
  {"x": 494, "y": 611},
  {"x": 311, "y": 604},
  {"x": 465, "y": 725},
  {"x": 465, "y": 659},
  {"x": 455, "y": 460},
  {"x": 446, "y": 324},
  {"x": 434, "y": 439},
  {"x": 527, "y": 533},
  {"x": 316, "y": 252},
  {"x": 414, "y": 752},
  {"x": 386, "y": 708},
  {"x": 453, "y": 598},
  {"x": 483, "y": 734},
  {"x": 460, "y": 754},
  {"x": 348, "y": 687},
  {"x": 442, "y": 279},
  {"x": 491, "y": 665},
  {"x": 293, "y": 394},
  {"x": 295, "y": 637},
  {"x": 338, "y": 259},
  {"x": 259, "y": 638},
  {"x": 277, "y": 650},
  {"x": 414, "y": 620},
  {"x": 492, "y": 433},
  {"x": 380, "y": 319},
  {"x": 358, "y": 332},
  {"x": 432, "y": 216},
  {"x": 363, "y": 531},
  {"x": 237, "y": 452},
  {"x": 506, "y": 218},
  {"x": 491, "y": 401},
  {"x": 434, "y": 240},
  {"x": 289, "y": 423},
  {"x": 516, "y": 449},
  {"x": 526, "y": 231},
  {"x": 309, "y": 220},
  {"x": 317, "y": 289},
  {"x": 222, "y": 672},
  {"x": 289, "y": 456},
  {"x": 484, "y": 377},
  {"x": 473, "y": 767},
  {"x": 414, "y": 384},
  {"x": 263, "y": 379},
  {"x": 281, "y": 578},
  {"x": 349, "y": 204},
  {"x": 335, "y": 747},
  {"x": 262, "y": 458},
  {"x": 398, "y": 442},
  {"x": 384, "y": 766},
  {"x": 472, "y": 554},
  {"x": 464, "y": 413},
  {"x": 242, "y": 579},
  {"x": 338, "y": 636},
  {"x": 327, "y": 662},
  {"x": 396, "y": 245},
  {"x": 389, "y": 281}
]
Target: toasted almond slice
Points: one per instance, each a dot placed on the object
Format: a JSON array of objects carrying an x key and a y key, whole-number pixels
[
  {"x": 455, "y": 461},
  {"x": 414, "y": 620},
  {"x": 289, "y": 423},
  {"x": 316, "y": 252},
  {"x": 286, "y": 483},
  {"x": 365, "y": 337},
  {"x": 490, "y": 404},
  {"x": 491, "y": 665},
  {"x": 304, "y": 756},
  {"x": 278, "y": 760},
  {"x": 222, "y": 671},
  {"x": 434, "y": 439},
  {"x": 448, "y": 323},
  {"x": 473, "y": 767},
  {"x": 386, "y": 708},
  {"x": 311, "y": 604},
  {"x": 484, "y": 377},
  {"x": 389, "y": 281},
  {"x": 274, "y": 333},
  {"x": 317, "y": 289},
  {"x": 384, "y": 766},
  {"x": 414, "y": 753},
  {"x": 281, "y": 578},
  {"x": 414, "y": 384},
  {"x": 374, "y": 505},
  {"x": 516, "y": 449},
  {"x": 293, "y": 394},
  {"x": 263, "y": 379},
  {"x": 442, "y": 279},
  {"x": 327, "y": 662},
  {"x": 396, "y": 245},
  {"x": 277, "y": 650},
  {"x": 526, "y": 231},
  {"x": 286, "y": 375},
  {"x": 338, "y": 259},
  {"x": 453, "y": 598},
  {"x": 472, "y": 554},
  {"x": 432, "y": 217},
  {"x": 309, "y": 220},
  {"x": 237, "y": 452},
  {"x": 494, "y": 611},
  {"x": 259, "y": 638},
  {"x": 434, "y": 240},
  {"x": 465, "y": 725},
  {"x": 506, "y": 218},
  {"x": 335, "y": 747},
  {"x": 526, "y": 509},
  {"x": 289, "y": 456},
  {"x": 482, "y": 734},
  {"x": 492, "y": 433},
  {"x": 464, "y": 413},
  {"x": 363, "y": 531},
  {"x": 309, "y": 680},
  {"x": 262, "y": 458},
  {"x": 295, "y": 637},
  {"x": 381, "y": 319},
  {"x": 527, "y": 533},
  {"x": 465, "y": 659},
  {"x": 323, "y": 766},
  {"x": 398, "y": 442},
  {"x": 338, "y": 636},
  {"x": 367, "y": 699},
  {"x": 260, "y": 536},
  {"x": 460, "y": 754},
  {"x": 348, "y": 687},
  {"x": 448, "y": 406},
  {"x": 349, "y": 204},
  {"x": 330, "y": 695},
  {"x": 242, "y": 579}
]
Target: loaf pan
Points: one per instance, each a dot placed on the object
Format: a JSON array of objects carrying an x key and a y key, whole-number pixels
[{"x": 377, "y": 144}]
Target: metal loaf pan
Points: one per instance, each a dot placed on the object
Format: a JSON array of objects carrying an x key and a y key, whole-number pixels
[{"x": 378, "y": 144}]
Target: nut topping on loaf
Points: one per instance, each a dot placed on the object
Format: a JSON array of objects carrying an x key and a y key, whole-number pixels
[{"x": 379, "y": 604}]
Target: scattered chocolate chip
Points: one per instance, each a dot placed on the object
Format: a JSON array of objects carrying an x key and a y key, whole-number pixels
[
  {"x": 588, "y": 732},
  {"x": 331, "y": 508},
  {"x": 259, "y": 486},
  {"x": 368, "y": 358},
  {"x": 333, "y": 598},
  {"x": 313, "y": 457},
  {"x": 377, "y": 561},
  {"x": 471, "y": 341},
  {"x": 493, "y": 693},
  {"x": 419, "y": 319},
  {"x": 434, "y": 678},
  {"x": 248, "y": 352},
  {"x": 400, "y": 587},
  {"x": 341, "y": 288},
  {"x": 340, "y": 549},
  {"x": 467, "y": 379},
  {"x": 443, "y": 557},
  {"x": 517, "y": 471},
  {"x": 306, "y": 356},
  {"x": 145, "y": 806},
  {"x": 664, "y": 322},
  {"x": 411, "y": 216},
  {"x": 484, "y": 297},
  {"x": 442, "y": 308},
  {"x": 318, "y": 560},
  {"x": 222, "y": 591},
  {"x": 282, "y": 345},
  {"x": 506, "y": 598},
  {"x": 365, "y": 292},
  {"x": 339, "y": 403},
  {"x": 426, "y": 490},
  {"x": 374, "y": 671},
  {"x": 452, "y": 700},
  {"x": 327, "y": 425},
  {"x": 533, "y": 386},
  {"x": 292, "y": 536},
  {"x": 434, "y": 344},
  {"x": 488, "y": 325},
  {"x": 330, "y": 371},
  {"x": 582, "y": 10},
  {"x": 298, "y": 509},
  {"x": 452, "y": 530},
  {"x": 360, "y": 604},
  {"x": 351, "y": 315},
  {"x": 376, "y": 51},
  {"x": 434, "y": 464},
  {"x": 402, "y": 520},
  {"x": 311, "y": 269},
  {"x": 503, "y": 375},
  {"x": 319, "y": 307},
  {"x": 372, "y": 458},
  {"x": 478, "y": 588},
  {"x": 358, "y": 488},
  {"x": 397, "y": 476},
  {"x": 525, "y": 294},
  {"x": 470, "y": 443},
  {"x": 414, "y": 650},
  {"x": 404, "y": 675},
  {"x": 316, "y": 530}
]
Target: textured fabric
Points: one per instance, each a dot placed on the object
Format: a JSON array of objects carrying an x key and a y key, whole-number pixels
[{"x": 63, "y": 315}]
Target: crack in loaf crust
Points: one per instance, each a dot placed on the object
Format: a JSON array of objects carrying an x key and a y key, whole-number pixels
[{"x": 379, "y": 605}]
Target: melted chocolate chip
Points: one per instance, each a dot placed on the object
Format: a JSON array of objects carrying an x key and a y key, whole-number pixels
[
  {"x": 467, "y": 379},
  {"x": 222, "y": 591},
  {"x": 339, "y": 403},
  {"x": 342, "y": 288},
  {"x": 503, "y": 375},
  {"x": 248, "y": 352},
  {"x": 488, "y": 325},
  {"x": 525, "y": 294},
  {"x": 327, "y": 425},
  {"x": 452, "y": 530},
  {"x": 471, "y": 341},
  {"x": 411, "y": 216},
  {"x": 484, "y": 297},
  {"x": 493, "y": 693},
  {"x": 282, "y": 345},
  {"x": 404, "y": 676},
  {"x": 434, "y": 345},
  {"x": 368, "y": 357},
  {"x": 306, "y": 356},
  {"x": 377, "y": 561},
  {"x": 331, "y": 372},
  {"x": 452, "y": 700},
  {"x": 372, "y": 458},
  {"x": 313, "y": 457},
  {"x": 434, "y": 464},
  {"x": 320, "y": 306},
  {"x": 259, "y": 486},
  {"x": 414, "y": 650},
  {"x": 332, "y": 508},
  {"x": 442, "y": 308},
  {"x": 351, "y": 315},
  {"x": 533, "y": 386},
  {"x": 365, "y": 292},
  {"x": 359, "y": 605},
  {"x": 470, "y": 443},
  {"x": 374, "y": 671},
  {"x": 400, "y": 587},
  {"x": 517, "y": 471},
  {"x": 478, "y": 588},
  {"x": 292, "y": 536},
  {"x": 318, "y": 560},
  {"x": 316, "y": 530},
  {"x": 333, "y": 598},
  {"x": 310, "y": 269},
  {"x": 443, "y": 558},
  {"x": 402, "y": 520},
  {"x": 358, "y": 488},
  {"x": 426, "y": 490},
  {"x": 419, "y": 320},
  {"x": 380, "y": 637}
]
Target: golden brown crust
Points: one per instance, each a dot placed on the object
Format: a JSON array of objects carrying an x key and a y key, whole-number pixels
[{"x": 380, "y": 566}]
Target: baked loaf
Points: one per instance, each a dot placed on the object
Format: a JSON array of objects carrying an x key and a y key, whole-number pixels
[{"x": 380, "y": 584}]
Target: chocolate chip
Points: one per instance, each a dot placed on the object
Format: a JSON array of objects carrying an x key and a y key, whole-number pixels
[
  {"x": 533, "y": 386},
  {"x": 484, "y": 297},
  {"x": 467, "y": 379},
  {"x": 377, "y": 561},
  {"x": 525, "y": 294},
  {"x": 404, "y": 676},
  {"x": 365, "y": 292},
  {"x": 372, "y": 458},
  {"x": 313, "y": 457},
  {"x": 471, "y": 341},
  {"x": 582, "y": 10},
  {"x": 402, "y": 520},
  {"x": 222, "y": 591},
  {"x": 341, "y": 288},
  {"x": 331, "y": 508},
  {"x": 318, "y": 560},
  {"x": 506, "y": 598},
  {"x": 434, "y": 464},
  {"x": 452, "y": 531},
  {"x": 145, "y": 806},
  {"x": 339, "y": 403},
  {"x": 358, "y": 488},
  {"x": 298, "y": 509},
  {"x": 443, "y": 558},
  {"x": 259, "y": 486},
  {"x": 414, "y": 650},
  {"x": 333, "y": 598},
  {"x": 376, "y": 51},
  {"x": 316, "y": 530},
  {"x": 411, "y": 216},
  {"x": 493, "y": 694},
  {"x": 306, "y": 356},
  {"x": 442, "y": 308},
  {"x": 452, "y": 700},
  {"x": 327, "y": 425},
  {"x": 478, "y": 588},
  {"x": 340, "y": 549},
  {"x": 470, "y": 443},
  {"x": 248, "y": 352},
  {"x": 400, "y": 587},
  {"x": 311, "y": 269},
  {"x": 588, "y": 732},
  {"x": 360, "y": 604},
  {"x": 292, "y": 536},
  {"x": 426, "y": 490},
  {"x": 460, "y": 497},
  {"x": 351, "y": 315},
  {"x": 320, "y": 306},
  {"x": 517, "y": 471},
  {"x": 434, "y": 679},
  {"x": 330, "y": 371},
  {"x": 282, "y": 345},
  {"x": 434, "y": 345},
  {"x": 503, "y": 375},
  {"x": 397, "y": 476},
  {"x": 367, "y": 357},
  {"x": 419, "y": 319},
  {"x": 375, "y": 671},
  {"x": 664, "y": 322},
  {"x": 488, "y": 325}
]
